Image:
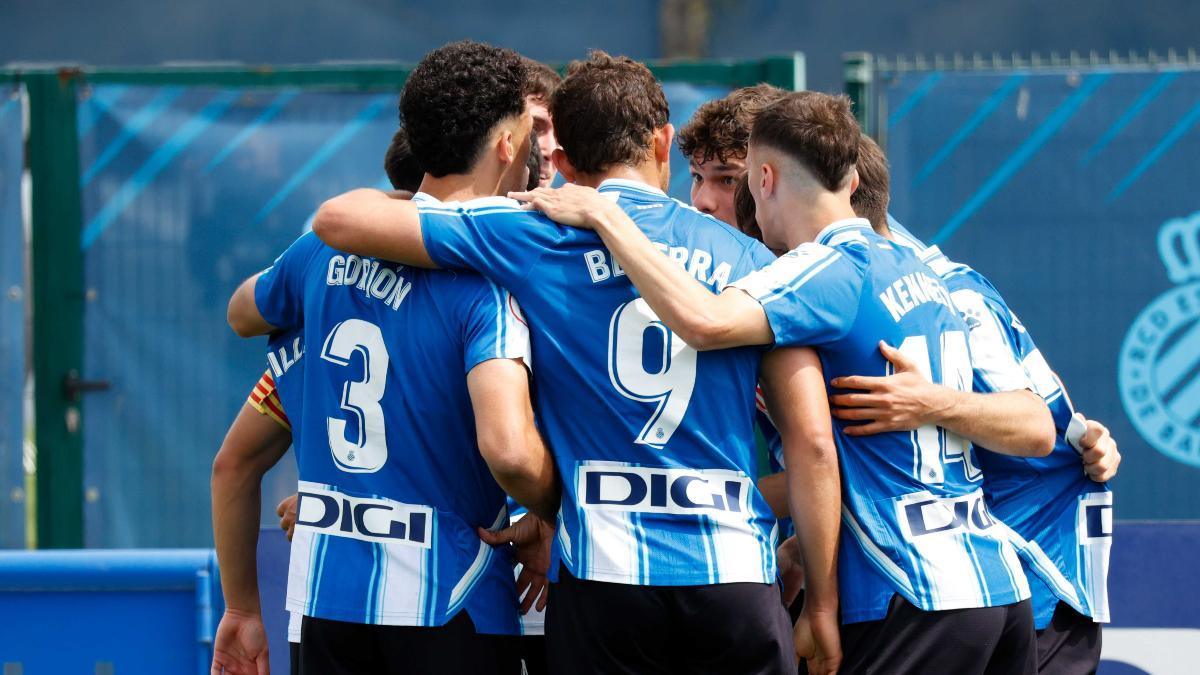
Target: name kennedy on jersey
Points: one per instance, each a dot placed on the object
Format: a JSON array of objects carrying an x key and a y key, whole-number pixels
[
  {"x": 697, "y": 262},
  {"x": 912, "y": 290},
  {"x": 380, "y": 281}
]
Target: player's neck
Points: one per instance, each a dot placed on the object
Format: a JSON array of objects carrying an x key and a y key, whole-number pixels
[
  {"x": 461, "y": 187},
  {"x": 824, "y": 210},
  {"x": 646, "y": 172}
]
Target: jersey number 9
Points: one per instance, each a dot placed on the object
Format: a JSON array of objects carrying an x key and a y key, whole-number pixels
[{"x": 649, "y": 363}]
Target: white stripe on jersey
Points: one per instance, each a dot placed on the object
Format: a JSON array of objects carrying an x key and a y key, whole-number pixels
[
  {"x": 471, "y": 576},
  {"x": 1095, "y": 552},
  {"x": 613, "y": 553},
  {"x": 787, "y": 273},
  {"x": 882, "y": 562}
]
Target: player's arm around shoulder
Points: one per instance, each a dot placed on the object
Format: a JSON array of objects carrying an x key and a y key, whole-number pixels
[
  {"x": 703, "y": 320},
  {"x": 373, "y": 223},
  {"x": 794, "y": 387}
]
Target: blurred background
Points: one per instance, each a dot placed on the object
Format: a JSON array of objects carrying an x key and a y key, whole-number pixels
[{"x": 152, "y": 155}]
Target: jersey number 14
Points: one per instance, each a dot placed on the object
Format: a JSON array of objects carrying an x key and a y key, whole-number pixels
[{"x": 934, "y": 447}]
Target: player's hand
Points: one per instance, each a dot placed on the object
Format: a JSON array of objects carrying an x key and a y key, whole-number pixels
[
  {"x": 899, "y": 402},
  {"x": 818, "y": 641},
  {"x": 573, "y": 205},
  {"x": 791, "y": 569},
  {"x": 530, "y": 538},
  {"x": 1101, "y": 457},
  {"x": 287, "y": 515},
  {"x": 240, "y": 647}
]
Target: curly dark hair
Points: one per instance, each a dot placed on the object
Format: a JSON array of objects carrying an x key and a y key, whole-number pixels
[
  {"x": 453, "y": 100},
  {"x": 817, "y": 130},
  {"x": 870, "y": 200},
  {"x": 606, "y": 111},
  {"x": 720, "y": 129},
  {"x": 401, "y": 166}
]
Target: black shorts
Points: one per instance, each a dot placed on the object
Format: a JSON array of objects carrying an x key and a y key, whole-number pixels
[
  {"x": 340, "y": 648},
  {"x": 986, "y": 640},
  {"x": 1070, "y": 645},
  {"x": 533, "y": 654},
  {"x": 597, "y": 627}
]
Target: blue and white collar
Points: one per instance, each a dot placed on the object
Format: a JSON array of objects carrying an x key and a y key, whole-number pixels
[
  {"x": 626, "y": 185},
  {"x": 842, "y": 226}
]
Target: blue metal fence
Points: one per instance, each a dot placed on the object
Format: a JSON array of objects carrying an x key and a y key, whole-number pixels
[
  {"x": 12, "y": 321},
  {"x": 186, "y": 191},
  {"x": 1072, "y": 191}
]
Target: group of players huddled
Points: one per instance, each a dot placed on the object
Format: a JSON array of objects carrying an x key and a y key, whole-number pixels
[{"x": 601, "y": 354}]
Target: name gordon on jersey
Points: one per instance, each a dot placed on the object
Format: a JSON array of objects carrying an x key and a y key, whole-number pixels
[
  {"x": 698, "y": 263},
  {"x": 379, "y": 281}
]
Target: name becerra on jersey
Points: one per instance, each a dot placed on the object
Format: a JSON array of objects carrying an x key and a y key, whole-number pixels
[
  {"x": 698, "y": 263},
  {"x": 379, "y": 281}
]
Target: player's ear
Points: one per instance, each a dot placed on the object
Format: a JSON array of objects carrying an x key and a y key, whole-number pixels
[
  {"x": 767, "y": 182},
  {"x": 506, "y": 149},
  {"x": 662, "y": 143},
  {"x": 559, "y": 158},
  {"x": 854, "y": 180}
]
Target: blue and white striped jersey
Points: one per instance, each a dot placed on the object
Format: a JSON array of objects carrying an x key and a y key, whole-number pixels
[
  {"x": 654, "y": 441},
  {"x": 914, "y": 518},
  {"x": 392, "y": 485},
  {"x": 1064, "y": 517}
]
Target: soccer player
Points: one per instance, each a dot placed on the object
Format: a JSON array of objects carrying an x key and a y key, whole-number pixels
[
  {"x": 1063, "y": 513},
  {"x": 543, "y": 81},
  {"x": 665, "y": 547},
  {"x": 714, "y": 141},
  {"x": 253, "y": 444},
  {"x": 918, "y": 539},
  {"x": 393, "y": 485}
]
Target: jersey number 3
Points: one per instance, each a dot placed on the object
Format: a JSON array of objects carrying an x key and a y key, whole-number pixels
[
  {"x": 368, "y": 452},
  {"x": 649, "y": 363}
]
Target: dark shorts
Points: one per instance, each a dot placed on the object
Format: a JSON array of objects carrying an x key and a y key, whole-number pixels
[
  {"x": 597, "y": 627},
  {"x": 533, "y": 654},
  {"x": 341, "y": 648},
  {"x": 1070, "y": 645},
  {"x": 986, "y": 640}
]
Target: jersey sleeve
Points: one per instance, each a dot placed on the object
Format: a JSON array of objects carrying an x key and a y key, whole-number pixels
[
  {"x": 493, "y": 328},
  {"x": 995, "y": 349},
  {"x": 279, "y": 291},
  {"x": 806, "y": 293},
  {"x": 264, "y": 398},
  {"x": 495, "y": 238}
]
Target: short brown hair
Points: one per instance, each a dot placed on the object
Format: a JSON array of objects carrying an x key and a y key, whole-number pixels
[
  {"x": 606, "y": 111},
  {"x": 721, "y": 129},
  {"x": 870, "y": 200},
  {"x": 744, "y": 210},
  {"x": 817, "y": 130},
  {"x": 543, "y": 80}
]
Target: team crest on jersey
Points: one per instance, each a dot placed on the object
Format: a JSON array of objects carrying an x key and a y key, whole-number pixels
[{"x": 1159, "y": 366}]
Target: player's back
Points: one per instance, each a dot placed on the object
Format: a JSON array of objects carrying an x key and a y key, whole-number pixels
[
  {"x": 654, "y": 441},
  {"x": 1049, "y": 501},
  {"x": 915, "y": 521},
  {"x": 392, "y": 485}
]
